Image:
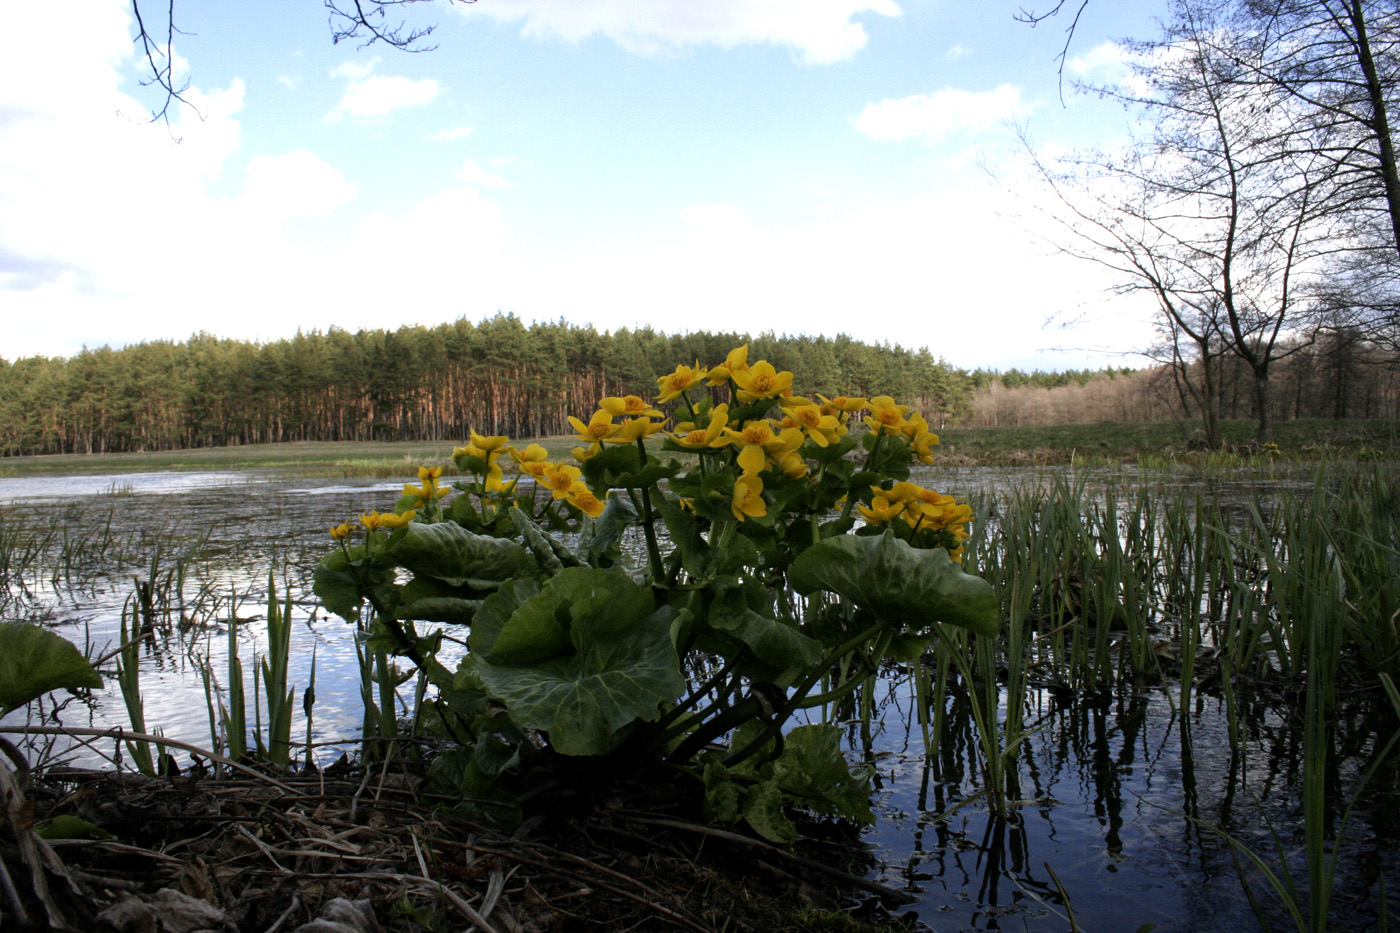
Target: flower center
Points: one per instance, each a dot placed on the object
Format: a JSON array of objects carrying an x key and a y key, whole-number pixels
[{"x": 756, "y": 434}]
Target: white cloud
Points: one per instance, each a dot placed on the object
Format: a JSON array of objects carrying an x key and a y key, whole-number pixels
[
  {"x": 295, "y": 185},
  {"x": 369, "y": 95},
  {"x": 355, "y": 69},
  {"x": 1109, "y": 63},
  {"x": 933, "y": 116},
  {"x": 474, "y": 174},
  {"x": 288, "y": 82},
  {"x": 820, "y": 31},
  {"x": 956, "y": 52},
  {"x": 456, "y": 132},
  {"x": 717, "y": 218}
]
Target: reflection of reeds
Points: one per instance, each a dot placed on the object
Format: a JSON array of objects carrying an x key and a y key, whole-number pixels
[{"x": 1101, "y": 592}]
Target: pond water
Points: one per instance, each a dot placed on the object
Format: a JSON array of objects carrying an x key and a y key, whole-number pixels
[{"x": 1117, "y": 794}]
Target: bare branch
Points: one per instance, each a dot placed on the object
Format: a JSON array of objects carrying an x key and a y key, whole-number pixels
[
  {"x": 1035, "y": 19},
  {"x": 364, "y": 21},
  {"x": 161, "y": 59}
]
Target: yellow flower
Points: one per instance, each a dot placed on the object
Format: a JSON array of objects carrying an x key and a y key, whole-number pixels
[
  {"x": 628, "y": 406},
  {"x": 559, "y": 479},
  {"x": 886, "y": 416},
  {"x": 792, "y": 465},
  {"x": 921, "y": 443},
  {"x": 532, "y": 454},
  {"x": 736, "y": 362},
  {"x": 341, "y": 532},
  {"x": 712, "y": 436},
  {"x": 489, "y": 444},
  {"x": 748, "y": 498},
  {"x": 583, "y": 499},
  {"x": 535, "y": 468},
  {"x": 881, "y": 510},
  {"x": 583, "y": 453},
  {"x": 754, "y": 441},
  {"x": 677, "y": 382},
  {"x": 633, "y": 429},
  {"x": 426, "y": 492},
  {"x": 761, "y": 380},
  {"x": 373, "y": 520},
  {"x": 598, "y": 428},
  {"x": 495, "y": 479},
  {"x": 822, "y": 429},
  {"x": 428, "y": 488},
  {"x": 846, "y": 403}
]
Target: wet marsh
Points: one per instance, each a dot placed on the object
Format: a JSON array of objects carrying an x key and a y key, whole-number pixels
[{"x": 1148, "y": 704}]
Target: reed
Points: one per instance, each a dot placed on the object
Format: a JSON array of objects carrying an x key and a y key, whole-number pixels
[
  {"x": 276, "y": 750},
  {"x": 129, "y": 679}
]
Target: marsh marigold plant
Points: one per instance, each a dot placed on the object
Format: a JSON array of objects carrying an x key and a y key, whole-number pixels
[{"x": 675, "y": 593}]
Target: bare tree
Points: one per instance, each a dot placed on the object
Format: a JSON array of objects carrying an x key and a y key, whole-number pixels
[
  {"x": 1335, "y": 64},
  {"x": 1211, "y": 213},
  {"x": 364, "y": 21}
]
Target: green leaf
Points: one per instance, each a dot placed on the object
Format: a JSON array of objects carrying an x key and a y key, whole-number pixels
[
  {"x": 34, "y": 661},
  {"x": 448, "y": 552},
  {"x": 620, "y": 466},
  {"x": 618, "y": 664},
  {"x": 723, "y": 797},
  {"x": 337, "y": 581},
  {"x": 551, "y": 553},
  {"x": 763, "y": 810},
  {"x": 898, "y": 583},
  {"x": 600, "y": 539},
  {"x": 612, "y": 461},
  {"x": 495, "y": 612},
  {"x": 774, "y": 642},
  {"x": 452, "y": 610},
  {"x": 67, "y": 826},
  {"x": 684, "y": 529},
  {"x": 428, "y": 600},
  {"x": 812, "y": 768}
]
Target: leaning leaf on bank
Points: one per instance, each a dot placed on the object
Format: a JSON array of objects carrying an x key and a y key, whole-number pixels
[
  {"x": 34, "y": 661},
  {"x": 448, "y": 552},
  {"x": 898, "y": 583},
  {"x": 810, "y": 772},
  {"x": 580, "y": 660}
]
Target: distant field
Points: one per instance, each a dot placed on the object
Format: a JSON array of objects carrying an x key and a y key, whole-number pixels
[
  {"x": 1306, "y": 439},
  {"x": 1110, "y": 442}
]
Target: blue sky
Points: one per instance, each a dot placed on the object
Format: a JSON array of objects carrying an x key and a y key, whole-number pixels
[{"x": 800, "y": 166}]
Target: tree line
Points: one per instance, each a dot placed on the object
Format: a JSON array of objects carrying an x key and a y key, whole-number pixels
[
  {"x": 1258, "y": 200},
  {"x": 498, "y": 376},
  {"x": 1337, "y": 374}
]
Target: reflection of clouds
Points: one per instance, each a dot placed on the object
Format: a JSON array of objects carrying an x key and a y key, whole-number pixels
[{"x": 217, "y": 534}]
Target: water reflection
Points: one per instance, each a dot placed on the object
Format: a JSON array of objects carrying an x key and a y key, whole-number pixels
[
  {"x": 1114, "y": 792},
  {"x": 1115, "y": 797}
]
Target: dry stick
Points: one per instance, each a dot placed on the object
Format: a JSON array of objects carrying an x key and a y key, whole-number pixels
[
  {"x": 110, "y": 846},
  {"x": 34, "y": 852},
  {"x": 276, "y": 925},
  {"x": 457, "y": 901},
  {"x": 514, "y": 855},
  {"x": 11, "y": 895},
  {"x": 123, "y": 735},
  {"x": 899, "y": 897},
  {"x": 265, "y": 850}
]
